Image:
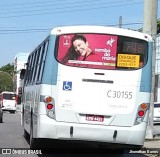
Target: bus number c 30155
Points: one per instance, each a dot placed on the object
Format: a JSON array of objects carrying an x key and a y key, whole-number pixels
[{"x": 119, "y": 94}]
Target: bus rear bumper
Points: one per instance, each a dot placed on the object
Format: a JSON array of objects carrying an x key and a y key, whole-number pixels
[{"x": 49, "y": 128}]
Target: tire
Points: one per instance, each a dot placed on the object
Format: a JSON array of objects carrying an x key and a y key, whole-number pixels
[
  {"x": 110, "y": 150},
  {"x": 25, "y": 134},
  {"x": 33, "y": 142},
  {"x": 13, "y": 112},
  {"x": 1, "y": 120}
]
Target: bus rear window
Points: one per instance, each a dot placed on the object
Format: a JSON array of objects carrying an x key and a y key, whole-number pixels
[
  {"x": 101, "y": 51},
  {"x": 9, "y": 96}
]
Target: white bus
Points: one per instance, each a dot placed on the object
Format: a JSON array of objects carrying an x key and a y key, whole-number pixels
[
  {"x": 89, "y": 83},
  {"x": 8, "y": 101}
]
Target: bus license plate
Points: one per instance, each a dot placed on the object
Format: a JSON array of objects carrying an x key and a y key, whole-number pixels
[{"x": 95, "y": 118}]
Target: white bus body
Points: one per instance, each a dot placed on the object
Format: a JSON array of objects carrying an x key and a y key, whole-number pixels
[
  {"x": 8, "y": 101},
  {"x": 102, "y": 101}
]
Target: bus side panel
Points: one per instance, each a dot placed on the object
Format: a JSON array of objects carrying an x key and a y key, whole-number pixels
[{"x": 147, "y": 74}]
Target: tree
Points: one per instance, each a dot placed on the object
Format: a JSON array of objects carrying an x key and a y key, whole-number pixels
[
  {"x": 6, "y": 78},
  {"x": 158, "y": 27},
  {"x": 8, "y": 68}
]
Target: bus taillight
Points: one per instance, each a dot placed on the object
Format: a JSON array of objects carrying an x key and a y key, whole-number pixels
[
  {"x": 144, "y": 106},
  {"x": 141, "y": 113},
  {"x": 142, "y": 109},
  {"x": 50, "y": 106},
  {"x": 49, "y": 101}
]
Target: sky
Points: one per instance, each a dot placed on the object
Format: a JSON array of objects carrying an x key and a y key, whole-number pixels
[{"x": 24, "y": 24}]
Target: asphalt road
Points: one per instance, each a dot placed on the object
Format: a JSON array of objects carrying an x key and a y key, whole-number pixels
[
  {"x": 156, "y": 129},
  {"x": 11, "y": 136}
]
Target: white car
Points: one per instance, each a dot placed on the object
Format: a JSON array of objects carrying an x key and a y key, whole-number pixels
[{"x": 156, "y": 117}]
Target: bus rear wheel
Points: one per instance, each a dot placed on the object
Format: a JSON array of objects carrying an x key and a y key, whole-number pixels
[
  {"x": 25, "y": 134},
  {"x": 33, "y": 142},
  {"x": 1, "y": 120}
]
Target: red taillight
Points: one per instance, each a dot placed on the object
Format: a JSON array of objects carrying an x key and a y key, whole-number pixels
[
  {"x": 142, "y": 110},
  {"x": 49, "y": 106},
  {"x": 141, "y": 113}
]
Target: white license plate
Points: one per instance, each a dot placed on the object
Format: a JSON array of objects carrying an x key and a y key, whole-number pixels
[{"x": 97, "y": 118}]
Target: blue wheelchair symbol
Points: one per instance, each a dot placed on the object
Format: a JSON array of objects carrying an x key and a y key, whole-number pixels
[{"x": 67, "y": 85}]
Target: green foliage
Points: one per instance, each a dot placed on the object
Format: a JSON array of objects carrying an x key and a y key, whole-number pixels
[
  {"x": 140, "y": 30},
  {"x": 8, "y": 69},
  {"x": 158, "y": 27},
  {"x": 6, "y": 77}
]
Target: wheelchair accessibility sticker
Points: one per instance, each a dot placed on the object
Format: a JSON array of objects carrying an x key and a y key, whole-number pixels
[{"x": 67, "y": 85}]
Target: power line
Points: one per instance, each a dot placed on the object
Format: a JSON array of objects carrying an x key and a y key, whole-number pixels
[
  {"x": 15, "y": 31},
  {"x": 64, "y": 7},
  {"x": 71, "y": 5},
  {"x": 42, "y": 2},
  {"x": 38, "y": 30},
  {"x": 60, "y": 8},
  {"x": 20, "y": 31}
]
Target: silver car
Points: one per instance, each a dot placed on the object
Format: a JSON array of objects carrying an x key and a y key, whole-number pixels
[
  {"x": 1, "y": 115},
  {"x": 156, "y": 118}
]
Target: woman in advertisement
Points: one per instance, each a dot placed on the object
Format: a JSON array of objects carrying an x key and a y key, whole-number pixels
[{"x": 80, "y": 50}]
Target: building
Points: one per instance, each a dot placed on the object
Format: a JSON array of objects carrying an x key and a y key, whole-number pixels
[
  {"x": 20, "y": 61},
  {"x": 157, "y": 69}
]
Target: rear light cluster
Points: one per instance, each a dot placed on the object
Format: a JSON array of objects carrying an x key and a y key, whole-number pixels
[
  {"x": 49, "y": 101},
  {"x": 141, "y": 112}
]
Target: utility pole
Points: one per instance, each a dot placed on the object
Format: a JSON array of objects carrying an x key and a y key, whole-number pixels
[
  {"x": 150, "y": 27},
  {"x": 120, "y": 22}
]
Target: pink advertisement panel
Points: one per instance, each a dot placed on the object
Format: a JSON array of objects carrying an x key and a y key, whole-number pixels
[{"x": 88, "y": 50}]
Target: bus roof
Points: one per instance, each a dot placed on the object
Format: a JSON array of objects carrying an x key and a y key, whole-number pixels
[{"x": 100, "y": 29}]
